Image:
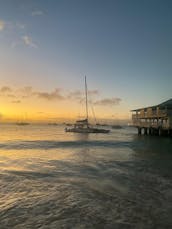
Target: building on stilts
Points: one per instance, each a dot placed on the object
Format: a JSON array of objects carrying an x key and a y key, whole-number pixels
[{"x": 154, "y": 120}]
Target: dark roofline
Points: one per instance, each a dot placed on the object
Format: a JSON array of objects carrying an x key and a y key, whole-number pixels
[{"x": 164, "y": 104}]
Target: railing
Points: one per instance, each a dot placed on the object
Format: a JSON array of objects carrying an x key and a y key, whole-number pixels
[
  {"x": 151, "y": 124},
  {"x": 157, "y": 114}
]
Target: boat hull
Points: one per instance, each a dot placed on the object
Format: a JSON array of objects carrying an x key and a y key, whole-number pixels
[{"x": 86, "y": 130}]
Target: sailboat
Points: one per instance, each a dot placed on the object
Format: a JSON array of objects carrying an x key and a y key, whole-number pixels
[
  {"x": 23, "y": 123},
  {"x": 83, "y": 126}
]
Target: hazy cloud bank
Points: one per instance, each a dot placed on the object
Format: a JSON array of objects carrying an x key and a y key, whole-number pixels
[
  {"x": 5, "y": 89},
  {"x": 108, "y": 102},
  {"x": 16, "y": 101},
  {"x": 57, "y": 94},
  {"x": 54, "y": 95}
]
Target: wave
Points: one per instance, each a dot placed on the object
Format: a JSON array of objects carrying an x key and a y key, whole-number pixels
[{"x": 45, "y": 144}]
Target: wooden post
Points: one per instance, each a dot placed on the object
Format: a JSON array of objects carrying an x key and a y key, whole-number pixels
[
  {"x": 168, "y": 132},
  {"x": 139, "y": 130},
  {"x": 160, "y": 131},
  {"x": 150, "y": 131},
  {"x": 145, "y": 131}
]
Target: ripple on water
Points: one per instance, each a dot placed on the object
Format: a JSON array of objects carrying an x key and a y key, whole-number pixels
[{"x": 115, "y": 181}]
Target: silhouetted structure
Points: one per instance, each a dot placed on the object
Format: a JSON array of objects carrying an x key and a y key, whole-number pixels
[{"x": 154, "y": 120}]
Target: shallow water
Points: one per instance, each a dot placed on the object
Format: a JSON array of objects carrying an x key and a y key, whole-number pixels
[{"x": 53, "y": 179}]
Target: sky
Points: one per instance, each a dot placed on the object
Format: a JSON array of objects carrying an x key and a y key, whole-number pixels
[{"x": 124, "y": 47}]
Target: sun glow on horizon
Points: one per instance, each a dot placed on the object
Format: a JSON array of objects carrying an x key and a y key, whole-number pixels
[
  {"x": 31, "y": 115},
  {"x": 28, "y": 103}
]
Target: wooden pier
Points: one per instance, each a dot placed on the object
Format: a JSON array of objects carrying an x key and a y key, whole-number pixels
[{"x": 154, "y": 120}]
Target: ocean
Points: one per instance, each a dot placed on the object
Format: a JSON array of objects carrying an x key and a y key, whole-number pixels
[{"x": 52, "y": 179}]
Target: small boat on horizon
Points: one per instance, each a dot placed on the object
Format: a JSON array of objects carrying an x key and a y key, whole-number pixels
[
  {"x": 83, "y": 126},
  {"x": 22, "y": 123},
  {"x": 53, "y": 124},
  {"x": 116, "y": 127}
]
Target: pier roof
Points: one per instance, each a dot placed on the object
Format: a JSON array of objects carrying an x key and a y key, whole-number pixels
[{"x": 167, "y": 104}]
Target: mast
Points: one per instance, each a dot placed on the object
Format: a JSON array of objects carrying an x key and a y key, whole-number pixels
[{"x": 86, "y": 99}]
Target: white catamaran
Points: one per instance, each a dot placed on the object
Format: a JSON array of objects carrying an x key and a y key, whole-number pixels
[{"x": 83, "y": 126}]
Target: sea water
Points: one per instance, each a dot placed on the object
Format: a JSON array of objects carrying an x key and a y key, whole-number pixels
[{"x": 53, "y": 179}]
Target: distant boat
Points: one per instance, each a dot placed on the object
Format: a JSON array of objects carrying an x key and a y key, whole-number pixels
[
  {"x": 83, "y": 126},
  {"x": 22, "y": 123},
  {"x": 68, "y": 124},
  {"x": 116, "y": 127},
  {"x": 53, "y": 124},
  {"x": 99, "y": 124}
]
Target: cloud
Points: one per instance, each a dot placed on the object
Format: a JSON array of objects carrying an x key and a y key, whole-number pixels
[
  {"x": 16, "y": 101},
  {"x": 5, "y": 89},
  {"x": 11, "y": 96},
  {"x": 28, "y": 92},
  {"x": 54, "y": 95},
  {"x": 2, "y": 25},
  {"x": 79, "y": 95},
  {"x": 14, "y": 30},
  {"x": 27, "y": 89},
  {"x": 75, "y": 95},
  {"x": 108, "y": 102},
  {"x": 20, "y": 26},
  {"x": 37, "y": 13},
  {"x": 93, "y": 92},
  {"x": 28, "y": 41}
]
